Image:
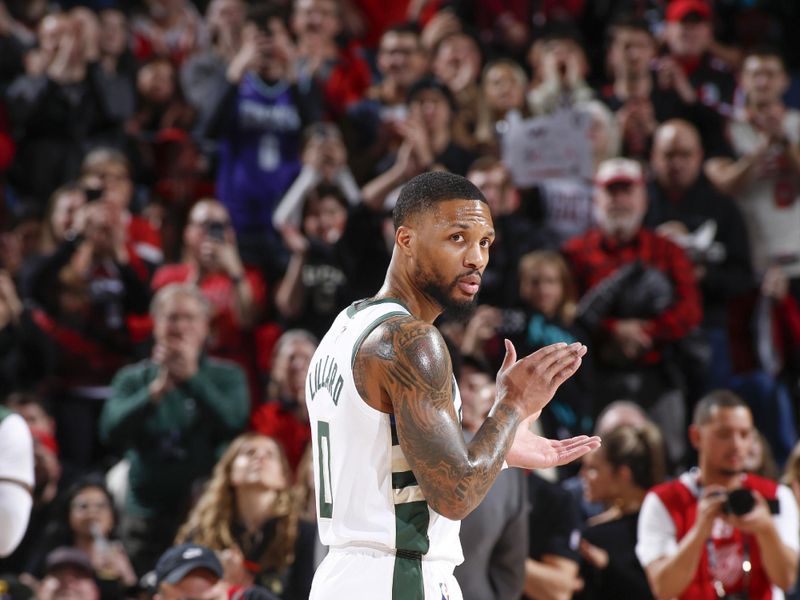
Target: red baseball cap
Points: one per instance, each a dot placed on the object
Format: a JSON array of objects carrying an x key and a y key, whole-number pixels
[{"x": 678, "y": 10}]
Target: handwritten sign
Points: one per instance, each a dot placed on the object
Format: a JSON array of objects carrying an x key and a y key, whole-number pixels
[{"x": 547, "y": 147}]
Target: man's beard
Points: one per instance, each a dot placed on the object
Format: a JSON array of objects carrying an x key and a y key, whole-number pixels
[
  {"x": 443, "y": 295},
  {"x": 731, "y": 472},
  {"x": 618, "y": 226}
]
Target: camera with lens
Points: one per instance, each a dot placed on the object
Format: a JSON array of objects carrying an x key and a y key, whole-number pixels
[
  {"x": 216, "y": 230},
  {"x": 741, "y": 501}
]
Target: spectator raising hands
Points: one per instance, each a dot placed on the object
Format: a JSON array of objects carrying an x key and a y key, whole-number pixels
[
  {"x": 259, "y": 133},
  {"x": 236, "y": 293}
]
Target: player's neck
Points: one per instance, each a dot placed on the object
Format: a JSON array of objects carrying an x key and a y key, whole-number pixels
[{"x": 399, "y": 285}]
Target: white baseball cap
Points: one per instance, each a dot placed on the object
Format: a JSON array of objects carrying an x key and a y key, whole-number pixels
[{"x": 618, "y": 170}]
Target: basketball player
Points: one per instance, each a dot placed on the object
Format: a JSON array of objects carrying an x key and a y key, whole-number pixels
[{"x": 393, "y": 474}]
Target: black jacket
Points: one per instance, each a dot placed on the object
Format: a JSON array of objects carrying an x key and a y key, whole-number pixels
[{"x": 729, "y": 271}]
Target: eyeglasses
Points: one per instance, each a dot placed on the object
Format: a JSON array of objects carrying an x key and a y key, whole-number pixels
[{"x": 211, "y": 223}]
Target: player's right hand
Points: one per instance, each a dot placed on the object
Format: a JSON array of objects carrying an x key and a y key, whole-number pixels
[{"x": 528, "y": 384}]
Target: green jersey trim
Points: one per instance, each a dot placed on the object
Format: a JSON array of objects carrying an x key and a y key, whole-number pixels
[
  {"x": 407, "y": 577},
  {"x": 360, "y": 305},
  {"x": 369, "y": 329}
]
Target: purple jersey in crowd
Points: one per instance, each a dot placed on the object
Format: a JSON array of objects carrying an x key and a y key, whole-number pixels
[{"x": 259, "y": 153}]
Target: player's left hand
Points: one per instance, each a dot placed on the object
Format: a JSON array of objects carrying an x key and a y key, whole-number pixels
[{"x": 531, "y": 451}]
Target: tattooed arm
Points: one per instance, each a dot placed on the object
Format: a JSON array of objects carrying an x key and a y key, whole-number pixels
[{"x": 414, "y": 379}]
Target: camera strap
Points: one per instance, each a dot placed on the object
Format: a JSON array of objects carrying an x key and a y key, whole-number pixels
[{"x": 747, "y": 566}]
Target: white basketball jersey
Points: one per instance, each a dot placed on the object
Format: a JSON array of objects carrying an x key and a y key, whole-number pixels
[{"x": 366, "y": 493}]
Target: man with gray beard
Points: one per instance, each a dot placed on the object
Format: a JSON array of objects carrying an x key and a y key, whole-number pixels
[{"x": 639, "y": 298}]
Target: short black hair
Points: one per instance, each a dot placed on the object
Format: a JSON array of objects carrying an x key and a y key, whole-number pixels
[
  {"x": 766, "y": 51},
  {"x": 425, "y": 190},
  {"x": 630, "y": 22},
  {"x": 715, "y": 399},
  {"x": 560, "y": 31},
  {"x": 19, "y": 398},
  {"x": 428, "y": 82},
  {"x": 408, "y": 27},
  {"x": 324, "y": 190}
]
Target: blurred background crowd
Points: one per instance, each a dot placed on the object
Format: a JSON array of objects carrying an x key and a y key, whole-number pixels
[{"x": 190, "y": 191}]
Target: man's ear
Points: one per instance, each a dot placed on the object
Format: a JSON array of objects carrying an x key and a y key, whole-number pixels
[
  {"x": 404, "y": 238},
  {"x": 694, "y": 436},
  {"x": 624, "y": 471}
]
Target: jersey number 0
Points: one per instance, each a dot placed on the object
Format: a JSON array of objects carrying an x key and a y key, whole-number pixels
[{"x": 325, "y": 490}]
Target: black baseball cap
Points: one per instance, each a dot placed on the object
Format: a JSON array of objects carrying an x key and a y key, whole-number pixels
[
  {"x": 431, "y": 83},
  {"x": 179, "y": 561}
]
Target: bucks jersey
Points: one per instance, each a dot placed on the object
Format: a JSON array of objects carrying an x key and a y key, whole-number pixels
[{"x": 367, "y": 495}]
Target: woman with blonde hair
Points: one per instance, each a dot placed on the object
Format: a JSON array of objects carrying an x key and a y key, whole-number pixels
[
  {"x": 249, "y": 514},
  {"x": 548, "y": 298},
  {"x": 502, "y": 99},
  {"x": 546, "y": 285}
]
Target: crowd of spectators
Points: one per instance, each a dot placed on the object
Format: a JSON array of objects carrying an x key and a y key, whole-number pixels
[{"x": 191, "y": 190}]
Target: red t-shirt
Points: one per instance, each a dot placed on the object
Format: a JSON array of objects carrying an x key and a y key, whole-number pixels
[
  {"x": 347, "y": 82},
  {"x": 274, "y": 420}
]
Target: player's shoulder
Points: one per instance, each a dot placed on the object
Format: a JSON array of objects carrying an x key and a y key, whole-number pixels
[
  {"x": 405, "y": 331},
  {"x": 406, "y": 339}
]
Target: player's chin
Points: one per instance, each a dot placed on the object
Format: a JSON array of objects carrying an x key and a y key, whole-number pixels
[
  {"x": 463, "y": 298},
  {"x": 461, "y": 307}
]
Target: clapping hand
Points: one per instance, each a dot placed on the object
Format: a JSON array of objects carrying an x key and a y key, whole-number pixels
[
  {"x": 670, "y": 75},
  {"x": 530, "y": 383},
  {"x": 250, "y": 51},
  {"x": 632, "y": 337},
  {"x": 531, "y": 451}
]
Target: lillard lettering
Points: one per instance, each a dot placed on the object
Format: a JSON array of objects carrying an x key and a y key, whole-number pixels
[{"x": 326, "y": 376}]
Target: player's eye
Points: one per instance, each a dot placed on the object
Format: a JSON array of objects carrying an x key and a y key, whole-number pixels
[{"x": 457, "y": 237}]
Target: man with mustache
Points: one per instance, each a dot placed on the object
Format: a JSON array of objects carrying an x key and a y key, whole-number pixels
[
  {"x": 695, "y": 541},
  {"x": 393, "y": 475},
  {"x": 641, "y": 291}
]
